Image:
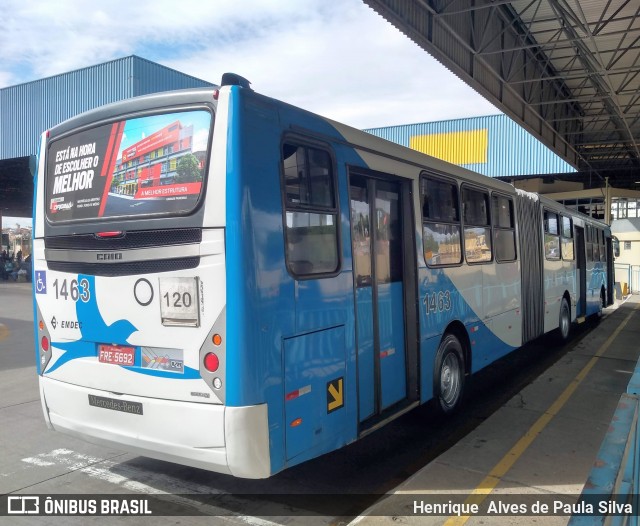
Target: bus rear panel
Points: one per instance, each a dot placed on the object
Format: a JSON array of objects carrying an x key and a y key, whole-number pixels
[{"x": 130, "y": 286}]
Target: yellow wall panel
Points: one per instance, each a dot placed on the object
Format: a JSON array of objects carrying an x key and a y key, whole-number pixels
[{"x": 465, "y": 147}]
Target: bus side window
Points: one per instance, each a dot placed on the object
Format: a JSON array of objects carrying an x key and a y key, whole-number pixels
[
  {"x": 551, "y": 235},
  {"x": 477, "y": 230},
  {"x": 567, "y": 239},
  {"x": 311, "y": 215},
  {"x": 589, "y": 242},
  {"x": 596, "y": 244},
  {"x": 603, "y": 247},
  {"x": 441, "y": 238},
  {"x": 504, "y": 228}
]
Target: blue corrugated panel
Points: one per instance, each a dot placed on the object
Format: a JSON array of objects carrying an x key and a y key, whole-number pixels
[
  {"x": 149, "y": 77},
  {"x": 510, "y": 149},
  {"x": 28, "y": 109}
]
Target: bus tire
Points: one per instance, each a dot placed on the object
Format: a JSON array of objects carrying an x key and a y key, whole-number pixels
[
  {"x": 564, "y": 322},
  {"x": 449, "y": 374},
  {"x": 602, "y": 303}
]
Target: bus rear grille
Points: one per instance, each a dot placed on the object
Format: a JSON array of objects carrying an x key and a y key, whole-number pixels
[
  {"x": 134, "y": 239},
  {"x": 124, "y": 269}
]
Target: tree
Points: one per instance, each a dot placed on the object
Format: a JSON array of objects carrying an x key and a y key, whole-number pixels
[{"x": 188, "y": 169}]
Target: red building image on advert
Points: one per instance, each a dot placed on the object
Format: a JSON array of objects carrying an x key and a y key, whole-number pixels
[{"x": 161, "y": 165}]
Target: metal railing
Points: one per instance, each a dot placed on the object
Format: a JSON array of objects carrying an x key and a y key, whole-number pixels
[
  {"x": 615, "y": 476},
  {"x": 630, "y": 274}
]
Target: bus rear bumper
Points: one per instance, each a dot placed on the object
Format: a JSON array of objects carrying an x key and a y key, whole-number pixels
[{"x": 231, "y": 440}]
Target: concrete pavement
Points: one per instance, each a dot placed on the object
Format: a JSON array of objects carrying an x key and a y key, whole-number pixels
[{"x": 540, "y": 446}]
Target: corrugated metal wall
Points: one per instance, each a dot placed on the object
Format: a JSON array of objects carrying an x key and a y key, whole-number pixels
[
  {"x": 149, "y": 77},
  {"x": 494, "y": 145},
  {"x": 28, "y": 109}
]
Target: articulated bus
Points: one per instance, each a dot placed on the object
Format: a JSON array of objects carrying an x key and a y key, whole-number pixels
[{"x": 229, "y": 282}]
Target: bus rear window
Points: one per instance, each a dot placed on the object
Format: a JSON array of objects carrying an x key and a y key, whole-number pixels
[{"x": 152, "y": 165}]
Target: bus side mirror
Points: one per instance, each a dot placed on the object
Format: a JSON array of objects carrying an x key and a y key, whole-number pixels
[{"x": 616, "y": 247}]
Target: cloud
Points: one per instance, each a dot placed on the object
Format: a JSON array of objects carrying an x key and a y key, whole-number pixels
[
  {"x": 351, "y": 66},
  {"x": 338, "y": 59},
  {"x": 6, "y": 78},
  {"x": 200, "y": 139}
]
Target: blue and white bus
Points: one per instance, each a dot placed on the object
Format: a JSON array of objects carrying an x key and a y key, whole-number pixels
[{"x": 226, "y": 281}]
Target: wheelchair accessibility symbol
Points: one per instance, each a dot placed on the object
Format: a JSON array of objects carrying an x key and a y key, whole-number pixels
[{"x": 41, "y": 282}]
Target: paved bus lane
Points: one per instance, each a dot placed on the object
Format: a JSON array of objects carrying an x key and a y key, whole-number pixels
[
  {"x": 37, "y": 461},
  {"x": 333, "y": 489},
  {"x": 538, "y": 448},
  {"x": 25, "y": 437}
]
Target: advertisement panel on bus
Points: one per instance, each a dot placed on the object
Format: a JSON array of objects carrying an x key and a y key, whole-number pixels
[{"x": 133, "y": 167}]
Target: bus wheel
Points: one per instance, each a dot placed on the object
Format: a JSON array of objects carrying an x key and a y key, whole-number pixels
[
  {"x": 564, "y": 323},
  {"x": 449, "y": 374},
  {"x": 602, "y": 302}
]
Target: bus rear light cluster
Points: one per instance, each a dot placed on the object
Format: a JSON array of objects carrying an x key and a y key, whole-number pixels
[
  {"x": 213, "y": 358},
  {"x": 43, "y": 343},
  {"x": 211, "y": 362}
]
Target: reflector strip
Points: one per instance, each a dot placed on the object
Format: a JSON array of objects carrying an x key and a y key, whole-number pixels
[
  {"x": 298, "y": 392},
  {"x": 388, "y": 352}
]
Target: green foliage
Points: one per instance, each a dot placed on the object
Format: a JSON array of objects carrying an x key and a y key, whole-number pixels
[
  {"x": 188, "y": 169},
  {"x": 430, "y": 244}
]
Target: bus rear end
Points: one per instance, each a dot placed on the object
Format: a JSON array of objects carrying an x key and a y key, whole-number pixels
[{"x": 129, "y": 284}]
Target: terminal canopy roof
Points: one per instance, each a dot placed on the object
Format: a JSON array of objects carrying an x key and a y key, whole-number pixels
[{"x": 567, "y": 70}]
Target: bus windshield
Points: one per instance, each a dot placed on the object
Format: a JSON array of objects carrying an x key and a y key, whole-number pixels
[{"x": 150, "y": 165}]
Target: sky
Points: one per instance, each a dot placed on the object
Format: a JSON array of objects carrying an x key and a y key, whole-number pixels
[
  {"x": 15, "y": 222},
  {"x": 336, "y": 58}
]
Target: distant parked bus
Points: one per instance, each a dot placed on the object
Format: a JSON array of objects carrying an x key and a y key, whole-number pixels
[{"x": 229, "y": 282}]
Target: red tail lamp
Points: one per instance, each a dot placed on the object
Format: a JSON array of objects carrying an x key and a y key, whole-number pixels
[{"x": 211, "y": 362}]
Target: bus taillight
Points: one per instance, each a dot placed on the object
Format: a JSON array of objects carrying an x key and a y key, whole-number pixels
[
  {"x": 112, "y": 233},
  {"x": 45, "y": 343},
  {"x": 211, "y": 362}
]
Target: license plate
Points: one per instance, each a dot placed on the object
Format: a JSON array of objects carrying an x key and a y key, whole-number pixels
[
  {"x": 179, "y": 302},
  {"x": 116, "y": 354}
]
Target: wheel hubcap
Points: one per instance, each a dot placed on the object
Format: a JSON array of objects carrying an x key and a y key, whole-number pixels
[{"x": 449, "y": 379}]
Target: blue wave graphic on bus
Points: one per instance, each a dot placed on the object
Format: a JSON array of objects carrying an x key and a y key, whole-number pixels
[
  {"x": 97, "y": 330},
  {"x": 598, "y": 276},
  {"x": 189, "y": 373},
  {"x": 94, "y": 331}
]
